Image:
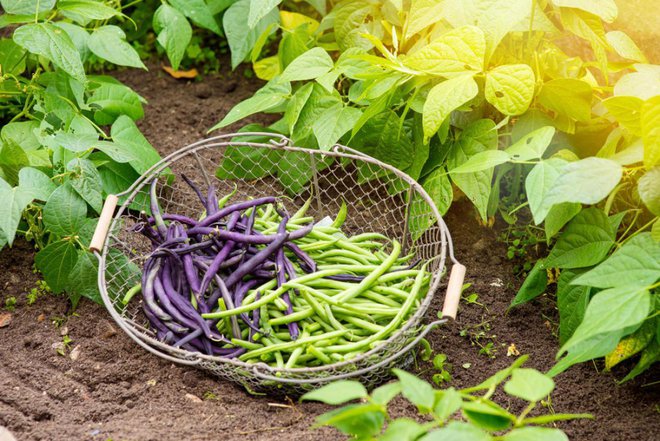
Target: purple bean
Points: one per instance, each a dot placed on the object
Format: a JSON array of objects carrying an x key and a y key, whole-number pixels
[
  {"x": 248, "y": 238},
  {"x": 208, "y": 220},
  {"x": 294, "y": 331},
  {"x": 195, "y": 188},
  {"x": 246, "y": 267},
  {"x": 155, "y": 209},
  {"x": 211, "y": 201}
]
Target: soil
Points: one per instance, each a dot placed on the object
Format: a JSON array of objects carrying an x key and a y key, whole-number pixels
[{"x": 107, "y": 387}]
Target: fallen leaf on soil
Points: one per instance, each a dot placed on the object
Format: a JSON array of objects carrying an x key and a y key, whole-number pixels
[
  {"x": 5, "y": 319},
  {"x": 151, "y": 382},
  {"x": 41, "y": 317},
  {"x": 193, "y": 398},
  {"x": 512, "y": 350},
  {"x": 192, "y": 73}
]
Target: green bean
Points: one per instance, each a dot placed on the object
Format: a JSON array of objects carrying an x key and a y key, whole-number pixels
[
  {"x": 318, "y": 245},
  {"x": 345, "y": 253},
  {"x": 371, "y": 278},
  {"x": 302, "y": 210},
  {"x": 290, "y": 345},
  {"x": 223, "y": 200},
  {"x": 396, "y": 321},
  {"x": 311, "y": 349},
  {"x": 291, "y": 362},
  {"x": 131, "y": 292},
  {"x": 372, "y": 327},
  {"x": 294, "y": 317},
  {"x": 245, "y": 344},
  {"x": 367, "y": 237}
]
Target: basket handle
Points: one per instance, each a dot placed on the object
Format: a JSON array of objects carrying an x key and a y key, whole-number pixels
[
  {"x": 407, "y": 348},
  {"x": 454, "y": 289},
  {"x": 103, "y": 225}
]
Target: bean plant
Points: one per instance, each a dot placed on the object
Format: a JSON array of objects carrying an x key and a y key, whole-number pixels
[
  {"x": 481, "y": 418},
  {"x": 68, "y": 137},
  {"x": 486, "y": 99}
]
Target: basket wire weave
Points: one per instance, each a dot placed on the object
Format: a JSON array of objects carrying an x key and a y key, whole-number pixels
[{"x": 379, "y": 199}]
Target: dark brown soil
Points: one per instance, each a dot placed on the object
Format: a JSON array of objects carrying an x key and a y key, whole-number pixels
[{"x": 116, "y": 390}]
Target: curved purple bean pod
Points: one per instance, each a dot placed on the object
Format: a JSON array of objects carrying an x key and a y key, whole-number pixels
[
  {"x": 182, "y": 341},
  {"x": 191, "y": 274},
  {"x": 229, "y": 303},
  {"x": 254, "y": 238},
  {"x": 219, "y": 258},
  {"x": 246, "y": 267},
  {"x": 211, "y": 201},
  {"x": 150, "y": 272},
  {"x": 302, "y": 256},
  {"x": 294, "y": 331},
  {"x": 239, "y": 295},
  {"x": 208, "y": 220},
  {"x": 195, "y": 188}
]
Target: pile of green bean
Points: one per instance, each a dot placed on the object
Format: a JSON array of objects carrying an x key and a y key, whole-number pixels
[{"x": 357, "y": 296}]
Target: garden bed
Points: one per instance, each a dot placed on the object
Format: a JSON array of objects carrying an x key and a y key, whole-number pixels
[{"x": 106, "y": 387}]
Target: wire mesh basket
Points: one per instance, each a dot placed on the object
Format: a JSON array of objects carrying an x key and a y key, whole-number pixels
[{"x": 379, "y": 198}]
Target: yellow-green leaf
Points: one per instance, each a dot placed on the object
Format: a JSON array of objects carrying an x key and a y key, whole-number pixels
[
  {"x": 267, "y": 68},
  {"x": 651, "y": 131},
  {"x": 292, "y": 20},
  {"x": 625, "y": 46},
  {"x": 422, "y": 14},
  {"x": 605, "y": 9},
  {"x": 626, "y": 110},
  {"x": 567, "y": 97},
  {"x": 510, "y": 88},
  {"x": 631, "y": 345},
  {"x": 443, "y": 99},
  {"x": 644, "y": 84},
  {"x": 452, "y": 54}
]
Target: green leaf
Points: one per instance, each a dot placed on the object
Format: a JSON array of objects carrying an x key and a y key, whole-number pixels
[
  {"x": 86, "y": 181},
  {"x": 476, "y": 186},
  {"x": 532, "y": 145},
  {"x": 529, "y": 384},
  {"x": 109, "y": 43},
  {"x": 296, "y": 105},
  {"x": 382, "y": 138},
  {"x": 485, "y": 160},
  {"x": 605, "y": 9},
  {"x": 635, "y": 264},
  {"x": 535, "y": 434},
  {"x": 558, "y": 216},
  {"x": 448, "y": 403},
  {"x": 126, "y": 135},
  {"x": 26, "y": 7},
  {"x": 294, "y": 171},
  {"x": 53, "y": 43},
  {"x": 587, "y": 181},
  {"x": 648, "y": 187},
  {"x": 417, "y": 391},
  {"x": 585, "y": 242},
  {"x": 84, "y": 11},
  {"x": 655, "y": 231},
  {"x": 454, "y": 53},
  {"x": 13, "y": 57},
  {"x": 487, "y": 415},
  {"x": 443, "y": 99},
  {"x": 510, "y": 88},
  {"x": 271, "y": 95},
  {"x": 361, "y": 420},
  {"x": 334, "y": 123},
  {"x": 65, "y": 211},
  {"x": 572, "y": 301},
  {"x": 386, "y": 393},
  {"x": 308, "y": 66},
  {"x": 568, "y": 97},
  {"x": 597, "y": 346},
  {"x": 248, "y": 163},
  {"x": 36, "y": 183},
  {"x": 438, "y": 186},
  {"x": 642, "y": 84},
  {"x": 12, "y": 159},
  {"x": 534, "y": 285},
  {"x": 337, "y": 392},
  {"x": 56, "y": 262},
  {"x": 497, "y": 378},
  {"x": 113, "y": 100},
  {"x": 457, "y": 431},
  {"x": 649, "y": 356},
  {"x": 199, "y": 13},
  {"x": 174, "y": 33},
  {"x": 14, "y": 200},
  {"x": 240, "y": 36},
  {"x": 624, "y": 46},
  {"x": 538, "y": 184},
  {"x": 78, "y": 36},
  {"x": 610, "y": 310},
  {"x": 83, "y": 279},
  {"x": 259, "y": 8},
  {"x": 402, "y": 429},
  {"x": 22, "y": 134}
]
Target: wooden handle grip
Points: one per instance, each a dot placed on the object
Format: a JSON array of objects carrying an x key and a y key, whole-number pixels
[
  {"x": 454, "y": 289},
  {"x": 102, "y": 227}
]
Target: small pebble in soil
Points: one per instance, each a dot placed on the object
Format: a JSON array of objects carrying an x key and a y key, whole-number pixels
[
  {"x": 5, "y": 319},
  {"x": 75, "y": 353},
  {"x": 230, "y": 87},
  {"x": 202, "y": 90},
  {"x": 193, "y": 398}
]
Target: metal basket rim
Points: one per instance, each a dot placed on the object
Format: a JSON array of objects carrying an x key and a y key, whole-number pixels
[{"x": 192, "y": 358}]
